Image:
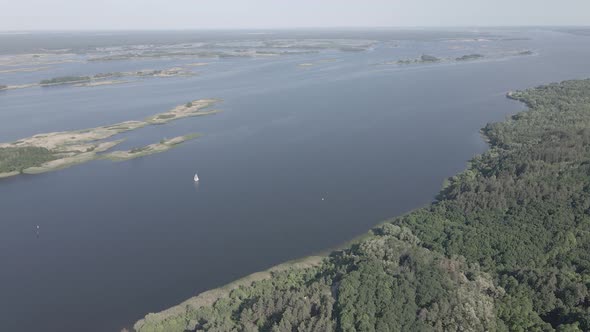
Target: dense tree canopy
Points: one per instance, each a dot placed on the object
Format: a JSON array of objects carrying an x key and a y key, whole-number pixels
[{"x": 505, "y": 247}]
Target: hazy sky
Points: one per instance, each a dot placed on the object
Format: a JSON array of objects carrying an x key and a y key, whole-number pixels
[{"x": 213, "y": 14}]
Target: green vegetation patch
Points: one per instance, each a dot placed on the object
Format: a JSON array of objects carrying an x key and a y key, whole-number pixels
[
  {"x": 109, "y": 75},
  {"x": 429, "y": 58},
  {"x": 65, "y": 80},
  {"x": 16, "y": 159},
  {"x": 469, "y": 57},
  {"x": 425, "y": 58},
  {"x": 138, "y": 150}
]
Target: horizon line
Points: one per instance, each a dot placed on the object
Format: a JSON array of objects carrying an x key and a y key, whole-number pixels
[{"x": 417, "y": 27}]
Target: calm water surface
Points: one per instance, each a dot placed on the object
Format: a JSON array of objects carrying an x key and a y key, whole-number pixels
[{"x": 118, "y": 240}]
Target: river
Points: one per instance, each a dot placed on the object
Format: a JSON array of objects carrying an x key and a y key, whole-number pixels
[{"x": 301, "y": 159}]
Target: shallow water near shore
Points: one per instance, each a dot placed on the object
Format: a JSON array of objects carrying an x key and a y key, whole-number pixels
[{"x": 117, "y": 240}]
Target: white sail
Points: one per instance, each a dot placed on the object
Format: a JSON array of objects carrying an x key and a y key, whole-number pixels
[{"x": 196, "y": 178}]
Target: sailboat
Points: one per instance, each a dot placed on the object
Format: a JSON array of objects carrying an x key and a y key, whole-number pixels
[{"x": 196, "y": 178}]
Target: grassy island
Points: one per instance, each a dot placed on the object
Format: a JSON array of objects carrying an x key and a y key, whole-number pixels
[
  {"x": 102, "y": 79},
  {"x": 64, "y": 159},
  {"x": 190, "y": 109},
  {"x": 469, "y": 57},
  {"x": 170, "y": 72},
  {"x": 422, "y": 59},
  {"x": 239, "y": 49},
  {"x": 505, "y": 247},
  {"x": 429, "y": 59},
  {"x": 65, "y": 80},
  {"x": 100, "y": 83},
  {"x": 163, "y": 145},
  {"x": 15, "y": 159},
  {"x": 51, "y": 151}
]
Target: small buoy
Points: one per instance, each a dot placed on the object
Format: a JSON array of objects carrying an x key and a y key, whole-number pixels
[{"x": 37, "y": 226}]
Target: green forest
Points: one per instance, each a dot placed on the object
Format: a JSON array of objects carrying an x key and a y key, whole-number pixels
[{"x": 504, "y": 247}]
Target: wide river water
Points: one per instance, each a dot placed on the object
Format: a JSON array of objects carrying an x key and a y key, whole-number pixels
[{"x": 119, "y": 240}]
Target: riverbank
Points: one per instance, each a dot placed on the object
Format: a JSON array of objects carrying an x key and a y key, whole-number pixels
[
  {"x": 479, "y": 257},
  {"x": 208, "y": 298}
]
